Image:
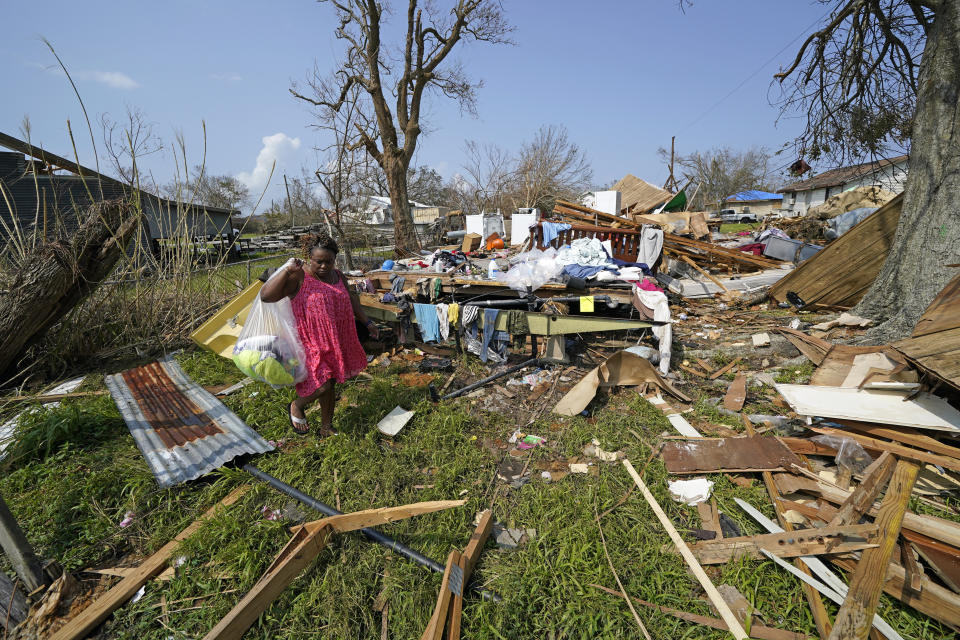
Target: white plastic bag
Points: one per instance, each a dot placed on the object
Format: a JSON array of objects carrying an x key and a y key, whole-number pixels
[{"x": 268, "y": 348}]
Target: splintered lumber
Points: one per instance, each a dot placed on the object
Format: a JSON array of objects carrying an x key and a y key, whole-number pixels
[
  {"x": 727, "y": 454},
  {"x": 730, "y": 365},
  {"x": 736, "y": 393},
  {"x": 860, "y": 501},
  {"x": 913, "y": 572},
  {"x": 307, "y": 542},
  {"x": 943, "y": 559},
  {"x": 102, "y": 607},
  {"x": 933, "y": 600},
  {"x": 733, "y": 625},
  {"x": 855, "y": 615},
  {"x": 817, "y": 609},
  {"x": 434, "y": 630},
  {"x": 468, "y": 560},
  {"x": 947, "y": 462},
  {"x": 790, "y": 544},
  {"x": 756, "y": 630},
  {"x": 707, "y": 250},
  {"x": 903, "y": 435}
]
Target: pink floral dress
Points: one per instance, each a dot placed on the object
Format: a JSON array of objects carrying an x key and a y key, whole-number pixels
[{"x": 328, "y": 333}]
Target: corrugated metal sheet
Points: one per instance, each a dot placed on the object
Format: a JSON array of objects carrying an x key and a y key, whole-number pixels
[{"x": 182, "y": 430}]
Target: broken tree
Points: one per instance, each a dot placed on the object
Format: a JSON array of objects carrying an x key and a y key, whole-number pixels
[{"x": 56, "y": 275}]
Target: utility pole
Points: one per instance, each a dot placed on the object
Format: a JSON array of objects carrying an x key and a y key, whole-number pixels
[
  {"x": 671, "y": 183},
  {"x": 289, "y": 204},
  {"x": 18, "y": 550}
]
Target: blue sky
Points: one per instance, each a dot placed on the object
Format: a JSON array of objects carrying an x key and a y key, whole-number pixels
[{"x": 621, "y": 76}]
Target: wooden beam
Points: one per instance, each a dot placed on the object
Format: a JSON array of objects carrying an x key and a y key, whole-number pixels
[
  {"x": 736, "y": 394},
  {"x": 862, "y": 498},
  {"x": 913, "y": 572},
  {"x": 902, "y": 451},
  {"x": 468, "y": 561},
  {"x": 293, "y": 558},
  {"x": 15, "y": 545},
  {"x": 817, "y": 609},
  {"x": 703, "y": 272},
  {"x": 791, "y": 544},
  {"x": 855, "y": 617},
  {"x": 731, "y": 620},
  {"x": 385, "y": 515},
  {"x": 434, "y": 630},
  {"x": 903, "y": 435},
  {"x": 102, "y": 607},
  {"x": 308, "y": 540},
  {"x": 730, "y": 365}
]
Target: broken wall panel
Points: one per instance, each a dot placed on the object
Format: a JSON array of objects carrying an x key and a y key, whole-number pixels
[{"x": 840, "y": 274}]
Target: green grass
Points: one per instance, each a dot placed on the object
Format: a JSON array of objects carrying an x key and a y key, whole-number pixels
[
  {"x": 733, "y": 227},
  {"x": 73, "y": 484}
]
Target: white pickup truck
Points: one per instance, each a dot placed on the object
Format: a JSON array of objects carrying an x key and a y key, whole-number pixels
[{"x": 731, "y": 216}]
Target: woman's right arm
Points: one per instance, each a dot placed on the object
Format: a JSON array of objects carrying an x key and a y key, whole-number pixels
[{"x": 284, "y": 284}]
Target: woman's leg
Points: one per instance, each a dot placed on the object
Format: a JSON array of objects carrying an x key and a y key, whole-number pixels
[{"x": 328, "y": 402}]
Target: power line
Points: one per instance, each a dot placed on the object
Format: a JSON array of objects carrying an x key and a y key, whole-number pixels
[{"x": 758, "y": 70}]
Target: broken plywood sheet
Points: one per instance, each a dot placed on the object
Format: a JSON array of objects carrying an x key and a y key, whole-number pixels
[
  {"x": 736, "y": 394},
  {"x": 925, "y": 411},
  {"x": 840, "y": 274},
  {"x": 728, "y": 454}
]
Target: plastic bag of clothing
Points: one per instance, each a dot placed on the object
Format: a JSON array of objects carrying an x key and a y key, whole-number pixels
[
  {"x": 268, "y": 348},
  {"x": 845, "y": 221},
  {"x": 850, "y": 454},
  {"x": 531, "y": 270}
]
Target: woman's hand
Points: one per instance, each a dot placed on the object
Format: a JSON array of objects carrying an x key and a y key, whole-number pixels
[{"x": 294, "y": 266}]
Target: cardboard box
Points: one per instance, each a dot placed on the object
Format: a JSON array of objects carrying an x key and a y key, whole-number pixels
[{"x": 471, "y": 242}]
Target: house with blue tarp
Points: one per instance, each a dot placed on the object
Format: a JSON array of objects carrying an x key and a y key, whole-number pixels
[{"x": 759, "y": 203}]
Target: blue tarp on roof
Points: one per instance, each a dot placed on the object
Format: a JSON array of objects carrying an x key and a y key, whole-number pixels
[{"x": 753, "y": 194}]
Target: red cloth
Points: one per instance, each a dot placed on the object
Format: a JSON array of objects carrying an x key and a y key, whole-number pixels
[
  {"x": 648, "y": 285},
  {"x": 328, "y": 333},
  {"x": 755, "y": 248}
]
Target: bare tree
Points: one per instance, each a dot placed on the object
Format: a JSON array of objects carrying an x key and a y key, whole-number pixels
[
  {"x": 420, "y": 65},
  {"x": 719, "y": 173},
  {"x": 201, "y": 186},
  {"x": 128, "y": 142},
  {"x": 548, "y": 168},
  {"x": 877, "y": 74},
  {"x": 489, "y": 173}
]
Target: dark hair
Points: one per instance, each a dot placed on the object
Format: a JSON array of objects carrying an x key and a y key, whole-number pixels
[{"x": 312, "y": 241}]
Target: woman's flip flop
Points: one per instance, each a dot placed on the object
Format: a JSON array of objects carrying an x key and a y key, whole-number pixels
[{"x": 299, "y": 425}]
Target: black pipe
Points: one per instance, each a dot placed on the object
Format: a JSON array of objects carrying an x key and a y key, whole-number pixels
[
  {"x": 479, "y": 383},
  {"x": 520, "y": 302},
  {"x": 370, "y": 534}
]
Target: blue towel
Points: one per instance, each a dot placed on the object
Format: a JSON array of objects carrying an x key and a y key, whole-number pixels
[
  {"x": 428, "y": 321},
  {"x": 551, "y": 230},
  {"x": 583, "y": 271},
  {"x": 489, "y": 321}
]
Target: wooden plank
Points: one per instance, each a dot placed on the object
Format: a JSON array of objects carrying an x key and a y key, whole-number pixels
[
  {"x": 386, "y": 515},
  {"x": 756, "y": 630},
  {"x": 730, "y": 365},
  {"x": 817, "y": 609},
  {"x": 903, "y": 435},
  {"x": 933, "y": 600},
  {"x": 791, "y": 544},
  {"x": 946, "y": 462},
  {"x": 727, "y": 454},
  {"x": 102, "y": 607},
  {"x": 943, "y": 313},
  {"x": 942, "y": 558},
  {"x": 17, "y": 548},
  {"x": 434, "y": 630},
  {"x": 468, "y": 560},
  {"x": 293, "y": 558},
  {"x": 710, "y": 517},
  {"x": 704, "y": 272},
  {"x": 862, "y": 498},
  {"x": 913, "y": 572},
  {"x": 736, "y": 393},
  {"x": 731, "y": 621},
  {"x": 855, "y": 617}
]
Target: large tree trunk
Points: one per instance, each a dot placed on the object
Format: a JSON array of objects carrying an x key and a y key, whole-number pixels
[
  {"x": 59, "y": 275},
  {"x": 405, "y": 235},
  {"x": 928, "y": 236}
]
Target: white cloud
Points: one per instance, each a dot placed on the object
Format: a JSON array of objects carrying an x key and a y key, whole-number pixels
[
  {"x": 276, "y": 148},
  {"x": 227, "y": 77},
  {"x": 114, "y": 79}
]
